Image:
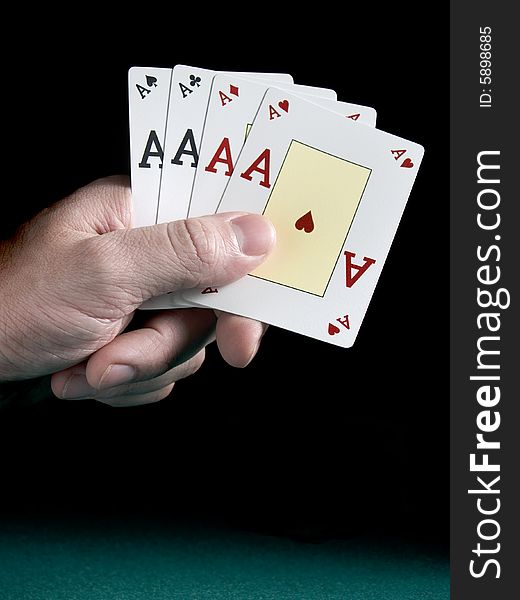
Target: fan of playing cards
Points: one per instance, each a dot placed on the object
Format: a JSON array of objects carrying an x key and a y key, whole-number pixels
[{"x": 333, "y": 185}]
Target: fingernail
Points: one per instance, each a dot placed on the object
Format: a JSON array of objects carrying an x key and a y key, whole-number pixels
[
  {"x": 77, "y": 388},
  {"x": 255, "y": 234},
  {"x": 116, "y": 375}
]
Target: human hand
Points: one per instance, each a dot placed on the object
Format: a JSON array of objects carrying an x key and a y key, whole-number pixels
[{"x": 73, "y": 277}]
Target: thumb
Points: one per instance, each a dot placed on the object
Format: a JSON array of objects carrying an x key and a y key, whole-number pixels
[{"x": 206, "y": 251}]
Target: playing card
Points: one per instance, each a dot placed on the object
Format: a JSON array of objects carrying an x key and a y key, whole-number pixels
[
  {"x": 150, "y": 92},
  {"x": 186, "y": 114},
  {"x": 177, "y": 180},
  {"x": 232, "y": 106},
  {"x": 301, "y": 90},
  {"x": 169, "y": 125},
  {"x": 335, "y": 192},
  {"x": 234, "y": 125}
]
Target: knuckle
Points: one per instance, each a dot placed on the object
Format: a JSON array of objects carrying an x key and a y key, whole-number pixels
[
  {"x": 190, "y": 367},
  {"x": 163, "y": 393},
  {"x": 161, "y": 352},
  {"x": 197, "y": 361},
  {"x": 116, "y": 187},
  {"x": 117, "y": 191},
  {"x": 194, "y": 243}
]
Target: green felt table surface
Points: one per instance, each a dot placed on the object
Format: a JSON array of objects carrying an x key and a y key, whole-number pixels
[{"x": 54, "y": 560}]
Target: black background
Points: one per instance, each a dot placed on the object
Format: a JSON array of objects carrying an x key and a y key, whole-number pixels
[{"x": 310, "y": 439}]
